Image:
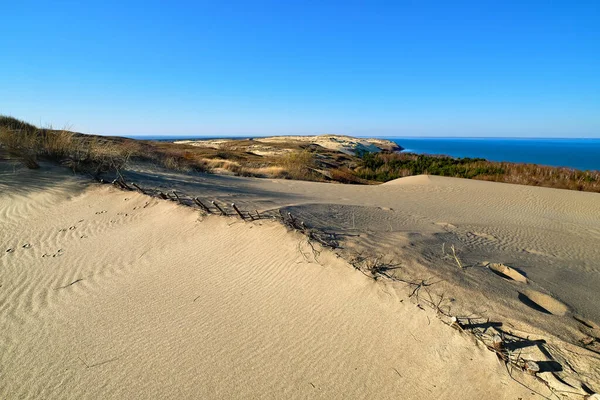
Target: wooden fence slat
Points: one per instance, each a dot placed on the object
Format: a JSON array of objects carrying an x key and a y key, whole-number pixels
[
  {"x": 237, "y": 211},
  {"x": 202, "y": 206},
  {"x": 218, "y": 208}
]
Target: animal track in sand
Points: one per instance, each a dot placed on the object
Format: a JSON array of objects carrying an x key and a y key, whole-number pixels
[
  {"x": 101, "y": 212},
  {"x": 506, "y": 272},
  {"x": 543, "y": 303},
  {"x": 58, "y": 253}
]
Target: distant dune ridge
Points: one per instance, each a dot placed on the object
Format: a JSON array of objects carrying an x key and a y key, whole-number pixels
[{"x": 345, "y": 144}]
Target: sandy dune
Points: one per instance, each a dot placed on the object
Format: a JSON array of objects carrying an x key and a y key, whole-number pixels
[
  {"x": 530, "y": 255},
  {"x": 108, "y": 294},
  {"x": 550, "y": 234},
  {"x": 111, "y": 294}
]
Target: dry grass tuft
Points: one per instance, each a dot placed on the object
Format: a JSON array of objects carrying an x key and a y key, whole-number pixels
[{"x": 298, "y": 165}]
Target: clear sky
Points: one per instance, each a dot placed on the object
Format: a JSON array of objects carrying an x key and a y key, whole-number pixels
[{"x": 395, "y": 68}]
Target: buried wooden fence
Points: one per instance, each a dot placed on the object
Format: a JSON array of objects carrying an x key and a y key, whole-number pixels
[
  {"x": 323, "y": 238},
  {"x": 193, "y": 201}
]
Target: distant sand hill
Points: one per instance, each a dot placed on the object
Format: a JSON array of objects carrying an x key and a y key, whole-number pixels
[{"x": 345, "y": 144}]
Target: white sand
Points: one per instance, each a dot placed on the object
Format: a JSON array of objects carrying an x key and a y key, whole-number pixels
[
  {"x": 123, "y": 296},
  {"x": 549, "y": 237}
]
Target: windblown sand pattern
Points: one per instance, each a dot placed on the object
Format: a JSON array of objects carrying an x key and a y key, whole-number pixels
[{"x": 108, "y": 294}]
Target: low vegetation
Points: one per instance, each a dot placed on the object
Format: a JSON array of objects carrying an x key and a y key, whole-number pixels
[
  {"x": 304, "y": 161},
  {"x": 385, "y": 167}
]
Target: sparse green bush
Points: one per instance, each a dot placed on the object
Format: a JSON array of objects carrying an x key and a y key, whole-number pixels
[{"x": 383, "y": 167}]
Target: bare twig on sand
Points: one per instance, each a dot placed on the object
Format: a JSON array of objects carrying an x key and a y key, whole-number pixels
[
  {"x": 455, "y": 257},
  {"x": 72, "y": 283},
  {"x": 87, "y": 366}
]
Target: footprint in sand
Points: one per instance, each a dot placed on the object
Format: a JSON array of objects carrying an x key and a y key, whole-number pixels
[
  {"x": 506, "y": 272},
  {"x": 536, "y": 252},
  {"x": 543, "y": 303},
  {"x": 58, "y": 253},
  {"x": 585, "y": 322},
  {"x": 10, "y": 250},
  {"x": 26, "y": 246},
  {"x": 446, "y": 225},
  {"x": 101, "y": 212}
]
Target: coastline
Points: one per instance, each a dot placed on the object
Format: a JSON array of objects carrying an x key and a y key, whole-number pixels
[{"x": 422, "y": 145}]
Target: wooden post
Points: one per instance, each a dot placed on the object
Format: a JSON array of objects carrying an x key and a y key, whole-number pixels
[
  {"x": 138, "y": 188},
  {"x": 176, "y": 196},
  {"x": 202, "y": 206},
  {"x": 118, "y": 182},
  {"x": 293, "y": 220},
  {"x": 532, "y": 367},
  {"x": 257, "y": 214},
  {"x": 497, "y": 343},
  {"x": 455, "y": 324},
  {"x": 219, "y": 208},
  {"x": 237, "y": 211}
]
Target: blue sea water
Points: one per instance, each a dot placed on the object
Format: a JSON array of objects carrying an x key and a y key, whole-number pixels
[{"x": 581, "y": 154}]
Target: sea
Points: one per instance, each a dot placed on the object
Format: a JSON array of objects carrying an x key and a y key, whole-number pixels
[{"x": 583, "y": 154}]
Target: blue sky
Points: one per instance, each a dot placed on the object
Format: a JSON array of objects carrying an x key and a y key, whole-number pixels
[{"x": 396, "y": 68}]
